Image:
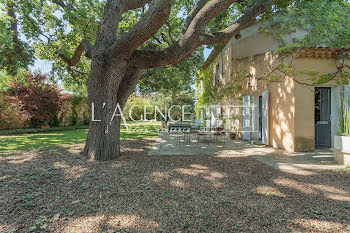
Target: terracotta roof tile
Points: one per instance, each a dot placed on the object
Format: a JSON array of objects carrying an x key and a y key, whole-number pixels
[{"x": 321, "y": 52}]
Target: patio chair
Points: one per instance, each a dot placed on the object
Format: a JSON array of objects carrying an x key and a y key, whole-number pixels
[
  {"x": 197, "y": 126},
  {"x": 187, "y": 135},
  {"x": 178, "y": 133}
]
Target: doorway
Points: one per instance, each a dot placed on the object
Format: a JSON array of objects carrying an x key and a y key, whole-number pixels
[{"x": 323, "y": 117}]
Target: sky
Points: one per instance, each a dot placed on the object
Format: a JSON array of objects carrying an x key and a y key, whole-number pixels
[{"x": 42, "y": 65}]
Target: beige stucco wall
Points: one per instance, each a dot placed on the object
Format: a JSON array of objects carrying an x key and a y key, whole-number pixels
[
  {"x": 282, "y": 114},
  {"x": 259, "y": 43},
  {"x": 291, "y": 104},
  {"x": 281, "y": 95},
  {"x": 305, "y": 99}
]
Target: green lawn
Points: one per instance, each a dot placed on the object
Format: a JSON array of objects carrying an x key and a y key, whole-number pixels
[{"x": 39, "y": 140}]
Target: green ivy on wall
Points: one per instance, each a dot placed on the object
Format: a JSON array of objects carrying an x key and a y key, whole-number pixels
[
  {"x": 219, "y": 92},
  {"x": 208, "y": 89}
]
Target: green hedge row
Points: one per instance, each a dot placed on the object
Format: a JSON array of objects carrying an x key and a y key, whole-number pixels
[{"x": 31, "y": 131}]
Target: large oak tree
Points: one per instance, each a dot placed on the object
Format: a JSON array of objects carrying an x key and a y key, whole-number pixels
[{"x": 121, "y": 55}]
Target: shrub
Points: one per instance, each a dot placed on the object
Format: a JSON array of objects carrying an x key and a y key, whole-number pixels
[
  {"x": 38, "y": 101},
  {"x": 345, "y": 118},
  {"x": 138, "y": 111},
  {"x": 76, "y": 102}
]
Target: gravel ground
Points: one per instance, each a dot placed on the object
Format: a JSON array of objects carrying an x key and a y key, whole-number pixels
[{"x": 58, "y": 190}]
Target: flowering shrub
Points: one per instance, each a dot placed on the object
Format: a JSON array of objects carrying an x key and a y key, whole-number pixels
[{"x": 38, "y": 101}]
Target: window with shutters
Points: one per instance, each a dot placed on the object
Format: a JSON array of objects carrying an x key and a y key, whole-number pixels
[
  {"x": 220, "y": 71},
  {"x": 217, "y": 72}
]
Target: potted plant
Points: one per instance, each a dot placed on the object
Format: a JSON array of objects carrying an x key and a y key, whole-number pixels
[{"x": 342, "y": 142}]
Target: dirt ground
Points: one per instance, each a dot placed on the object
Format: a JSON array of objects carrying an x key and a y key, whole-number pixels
[{"x": 58, "y": 190}]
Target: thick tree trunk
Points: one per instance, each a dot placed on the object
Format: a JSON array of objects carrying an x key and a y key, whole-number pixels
[
  {"x": 109, "y": 87},
  {"x": 117, "y": 62},
  {"x": 102, "y": 146},
  {"x": 103, "y": 140}
]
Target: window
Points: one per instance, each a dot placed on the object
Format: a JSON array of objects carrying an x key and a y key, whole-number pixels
[
  {"x": 201, "y": 87},
  {"x": 220, "y": 71},
  {"x": 217, "y": 73}
]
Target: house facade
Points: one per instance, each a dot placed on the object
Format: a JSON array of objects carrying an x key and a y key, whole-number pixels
[{"x": 288, "y": 100}]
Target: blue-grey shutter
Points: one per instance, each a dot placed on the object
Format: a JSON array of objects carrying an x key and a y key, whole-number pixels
[
  {"x": 335, "y": 112},
  {"x": 220, "y": 70},
  {"x": 265, "y": 117},
  {"x": 346, "y": 92}
]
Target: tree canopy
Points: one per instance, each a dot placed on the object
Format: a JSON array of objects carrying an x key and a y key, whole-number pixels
[
  {"x": 55, "y": 30},
  {"x": 324, "y": 23}
]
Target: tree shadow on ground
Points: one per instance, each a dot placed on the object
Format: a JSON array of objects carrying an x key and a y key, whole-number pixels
[{"x": 57, "y": 189}]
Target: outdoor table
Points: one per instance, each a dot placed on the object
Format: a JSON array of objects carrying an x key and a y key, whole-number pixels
[{"x": 179, "y": 126}]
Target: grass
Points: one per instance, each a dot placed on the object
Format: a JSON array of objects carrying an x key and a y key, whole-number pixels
[{"x": 38, "y": 140}]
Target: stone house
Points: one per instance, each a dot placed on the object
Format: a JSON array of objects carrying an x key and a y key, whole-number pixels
[{"x": 281, "y": 105}]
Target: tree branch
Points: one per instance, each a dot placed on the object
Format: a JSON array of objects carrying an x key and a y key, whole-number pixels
[
  {"x": 83, "y": 46},
  {"x": 134, "y": 4},
  {"x": 246, "y": 20},
  {"x": 109, "y": 24},
  {"x": 128, "y": 85},
  {"x": 37, "y": 28},
  {"x": 153, "y": 20},
  {"x": 59, "y": 3},
  {"x": 192, "y": 14},
  {"x": 164, "y": 38},
  {"x": 64, "y": 6},
  {"x": 203, "y": 17},
  {"x": 170, "y": 32},
  {"x": 14, "y": 29},
  {"x": 194, "y": 36}
]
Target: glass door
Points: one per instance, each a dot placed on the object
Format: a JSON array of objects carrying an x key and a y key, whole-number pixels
[{"x": 323, "y": 117}]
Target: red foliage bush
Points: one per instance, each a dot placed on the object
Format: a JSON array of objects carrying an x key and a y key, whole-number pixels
[{"x": 38, "y": 101}]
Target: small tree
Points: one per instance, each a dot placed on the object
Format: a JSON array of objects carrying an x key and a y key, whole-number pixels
[{"x": 38, "y": 102}]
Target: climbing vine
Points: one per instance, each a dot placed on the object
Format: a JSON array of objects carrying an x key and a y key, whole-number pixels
[
  {"x": 318, "y": 23},
  {"x": 208, "y": 89},
  {"x": 313, "y": 23}
]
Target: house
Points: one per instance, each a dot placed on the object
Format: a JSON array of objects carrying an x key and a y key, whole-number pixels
[{"x": 289, "y": 100}]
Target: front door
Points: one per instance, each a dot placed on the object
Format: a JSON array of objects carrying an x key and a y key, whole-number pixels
[{"x": 323, "y": 117}]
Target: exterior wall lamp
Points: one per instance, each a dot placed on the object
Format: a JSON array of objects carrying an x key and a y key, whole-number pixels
[{"x": 210, "y": 98}]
